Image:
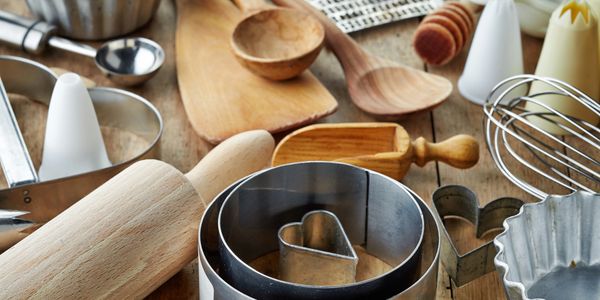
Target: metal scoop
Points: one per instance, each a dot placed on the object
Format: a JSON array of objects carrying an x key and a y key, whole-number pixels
[{"x": 126, "y": 61}]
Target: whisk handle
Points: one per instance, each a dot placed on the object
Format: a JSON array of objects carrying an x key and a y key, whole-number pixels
[{"x": 460, "y": 151}]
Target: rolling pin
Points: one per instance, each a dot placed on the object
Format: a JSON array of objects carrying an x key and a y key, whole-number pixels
[{"x": 133, "y": 233}]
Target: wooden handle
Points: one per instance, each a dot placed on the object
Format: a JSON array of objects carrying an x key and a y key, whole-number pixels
[
  {"x": 460, "y": 151},
  {"x": 131, "y": 234},
  {"x": 248, "y": 6},
  {"x": 231, "y": 160},
  {"x": 343, "y": 46}
]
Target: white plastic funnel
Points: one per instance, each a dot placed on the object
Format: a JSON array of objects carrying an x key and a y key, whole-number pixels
[
  {"x": 495, "y": 53},
  {"x": 73, "y": 143}
]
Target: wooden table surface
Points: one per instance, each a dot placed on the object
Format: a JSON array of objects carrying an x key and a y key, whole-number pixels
[{"x": 182, "y": 148}]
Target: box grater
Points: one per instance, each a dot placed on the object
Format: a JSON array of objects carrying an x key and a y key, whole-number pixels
[{"x": 355, "y": 15}]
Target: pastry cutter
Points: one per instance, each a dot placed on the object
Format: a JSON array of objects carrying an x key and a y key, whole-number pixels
[
  {"x": 316, "y": 251},
  {"x": 30, "y": 202},
  {"x": 376, "y": 212},
  {"x": 460, "y": 202},
  {"x": 214, "y": 287}
]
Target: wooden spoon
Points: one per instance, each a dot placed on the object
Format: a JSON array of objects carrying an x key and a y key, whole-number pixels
[
  {"x": 378, "y": 86},
  {"x": 276, "y": 43},
  {"x": 381, "y": 147}
]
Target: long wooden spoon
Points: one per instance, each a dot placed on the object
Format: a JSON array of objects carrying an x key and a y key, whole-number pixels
[
  {"x": 276, "y": 43},
  {"x": 378, "y": 86},
  {"x": 382, "y": 147}
]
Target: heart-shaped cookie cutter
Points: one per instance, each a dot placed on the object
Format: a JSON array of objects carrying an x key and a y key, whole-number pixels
[
  {"x": 316, "y": 251},
  {"x": 459, "y": 201}
]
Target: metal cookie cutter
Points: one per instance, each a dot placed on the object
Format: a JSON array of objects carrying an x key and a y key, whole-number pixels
[
  {"x": 42, "y": 201},
  {"x": 316, "y": 251},
  {"x": 459, "y": 201},
  {"x": 214, "y": 287},
  {"x": 377, "y": 212}
]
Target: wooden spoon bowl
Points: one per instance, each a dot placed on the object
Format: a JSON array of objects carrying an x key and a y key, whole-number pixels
[
  {"x": 277, "y": 43},
  {"x": 377, "y": 91},
  {"x": 378, "y": 86}
]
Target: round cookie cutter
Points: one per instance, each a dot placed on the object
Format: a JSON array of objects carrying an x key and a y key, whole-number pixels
[
  {"x": 114, "y": 108},
  {"x": 376, "y": 212},
  {"x": 214, "y": 287}
]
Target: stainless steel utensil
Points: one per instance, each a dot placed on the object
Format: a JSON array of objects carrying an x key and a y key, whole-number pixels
[
  {"x": 551, "y": 249},
  {"x": 14, "y": 157},
  {"x": 376, "y": 212},
  {"x": 94, "y": 20},
  {"x": 11, "y": 227},
  {"x": 115, "y": 108},
  {"x": 126, "y": 61},
  {"x": 458, "y": 201},
  {"x": 571, "y": 166},
  {"x": 316, "y": 251},
  {"x": 214, "y": 287},
  {"x": 355, "y": 15}
]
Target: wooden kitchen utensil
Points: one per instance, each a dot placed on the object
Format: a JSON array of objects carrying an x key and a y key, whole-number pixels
[
  {"x": 378, "y": 86},
  {"x": 381, "y": 147},
  {"x": 222, "y": 98},
  {"x": 276, "y": 43},
  {"x": 131, "y": 234}
]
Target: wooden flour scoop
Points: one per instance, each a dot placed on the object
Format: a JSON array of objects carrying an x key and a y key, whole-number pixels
[
  {"x": 381, "y": 147},
  {"x": 131, "y": 234}
]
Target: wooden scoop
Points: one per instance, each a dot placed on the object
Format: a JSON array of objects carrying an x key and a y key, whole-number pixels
[
  {"x": 381, "y": 147},
  {"x": 131, "y": 234},
  {"x": 276, "y": 43},
  {"x": 378, "y": 86}
]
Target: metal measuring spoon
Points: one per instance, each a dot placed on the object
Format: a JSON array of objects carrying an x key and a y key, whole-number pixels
[{"x": 125, "y": 61}]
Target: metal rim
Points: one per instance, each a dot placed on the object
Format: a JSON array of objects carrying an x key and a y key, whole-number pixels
[
  {"x": 131, "y": 95},
  {"x": 412, "y": 255},
  {"x": 207, "y": 269},
  {"x": 501, "y": 264}
]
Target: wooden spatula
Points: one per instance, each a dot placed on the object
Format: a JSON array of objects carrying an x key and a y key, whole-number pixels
[
  {"x": 381, "y": 147},
  {"x": 222, "y": 98},
  {"x": 131, "y": 234}
]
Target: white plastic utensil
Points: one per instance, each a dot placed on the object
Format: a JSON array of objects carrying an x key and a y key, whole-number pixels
[
  {"x": 495, "y": 53},
  {"x": 73, "y": 143},
  {"x": 570, "y": 54},
  {"x": 534, "y": 15}
]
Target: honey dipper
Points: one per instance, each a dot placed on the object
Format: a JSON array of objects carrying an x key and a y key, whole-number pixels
[{"x": 443, "y": 33}]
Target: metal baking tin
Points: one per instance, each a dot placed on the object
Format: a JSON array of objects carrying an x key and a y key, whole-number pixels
[
  {"x": 459, "y": 201},
  {"x": 114, "y": 107},
  {"x": 213, "y": 286},
  {"x": 94, "y": 20},
  {"x": 551, "y": 249}
]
